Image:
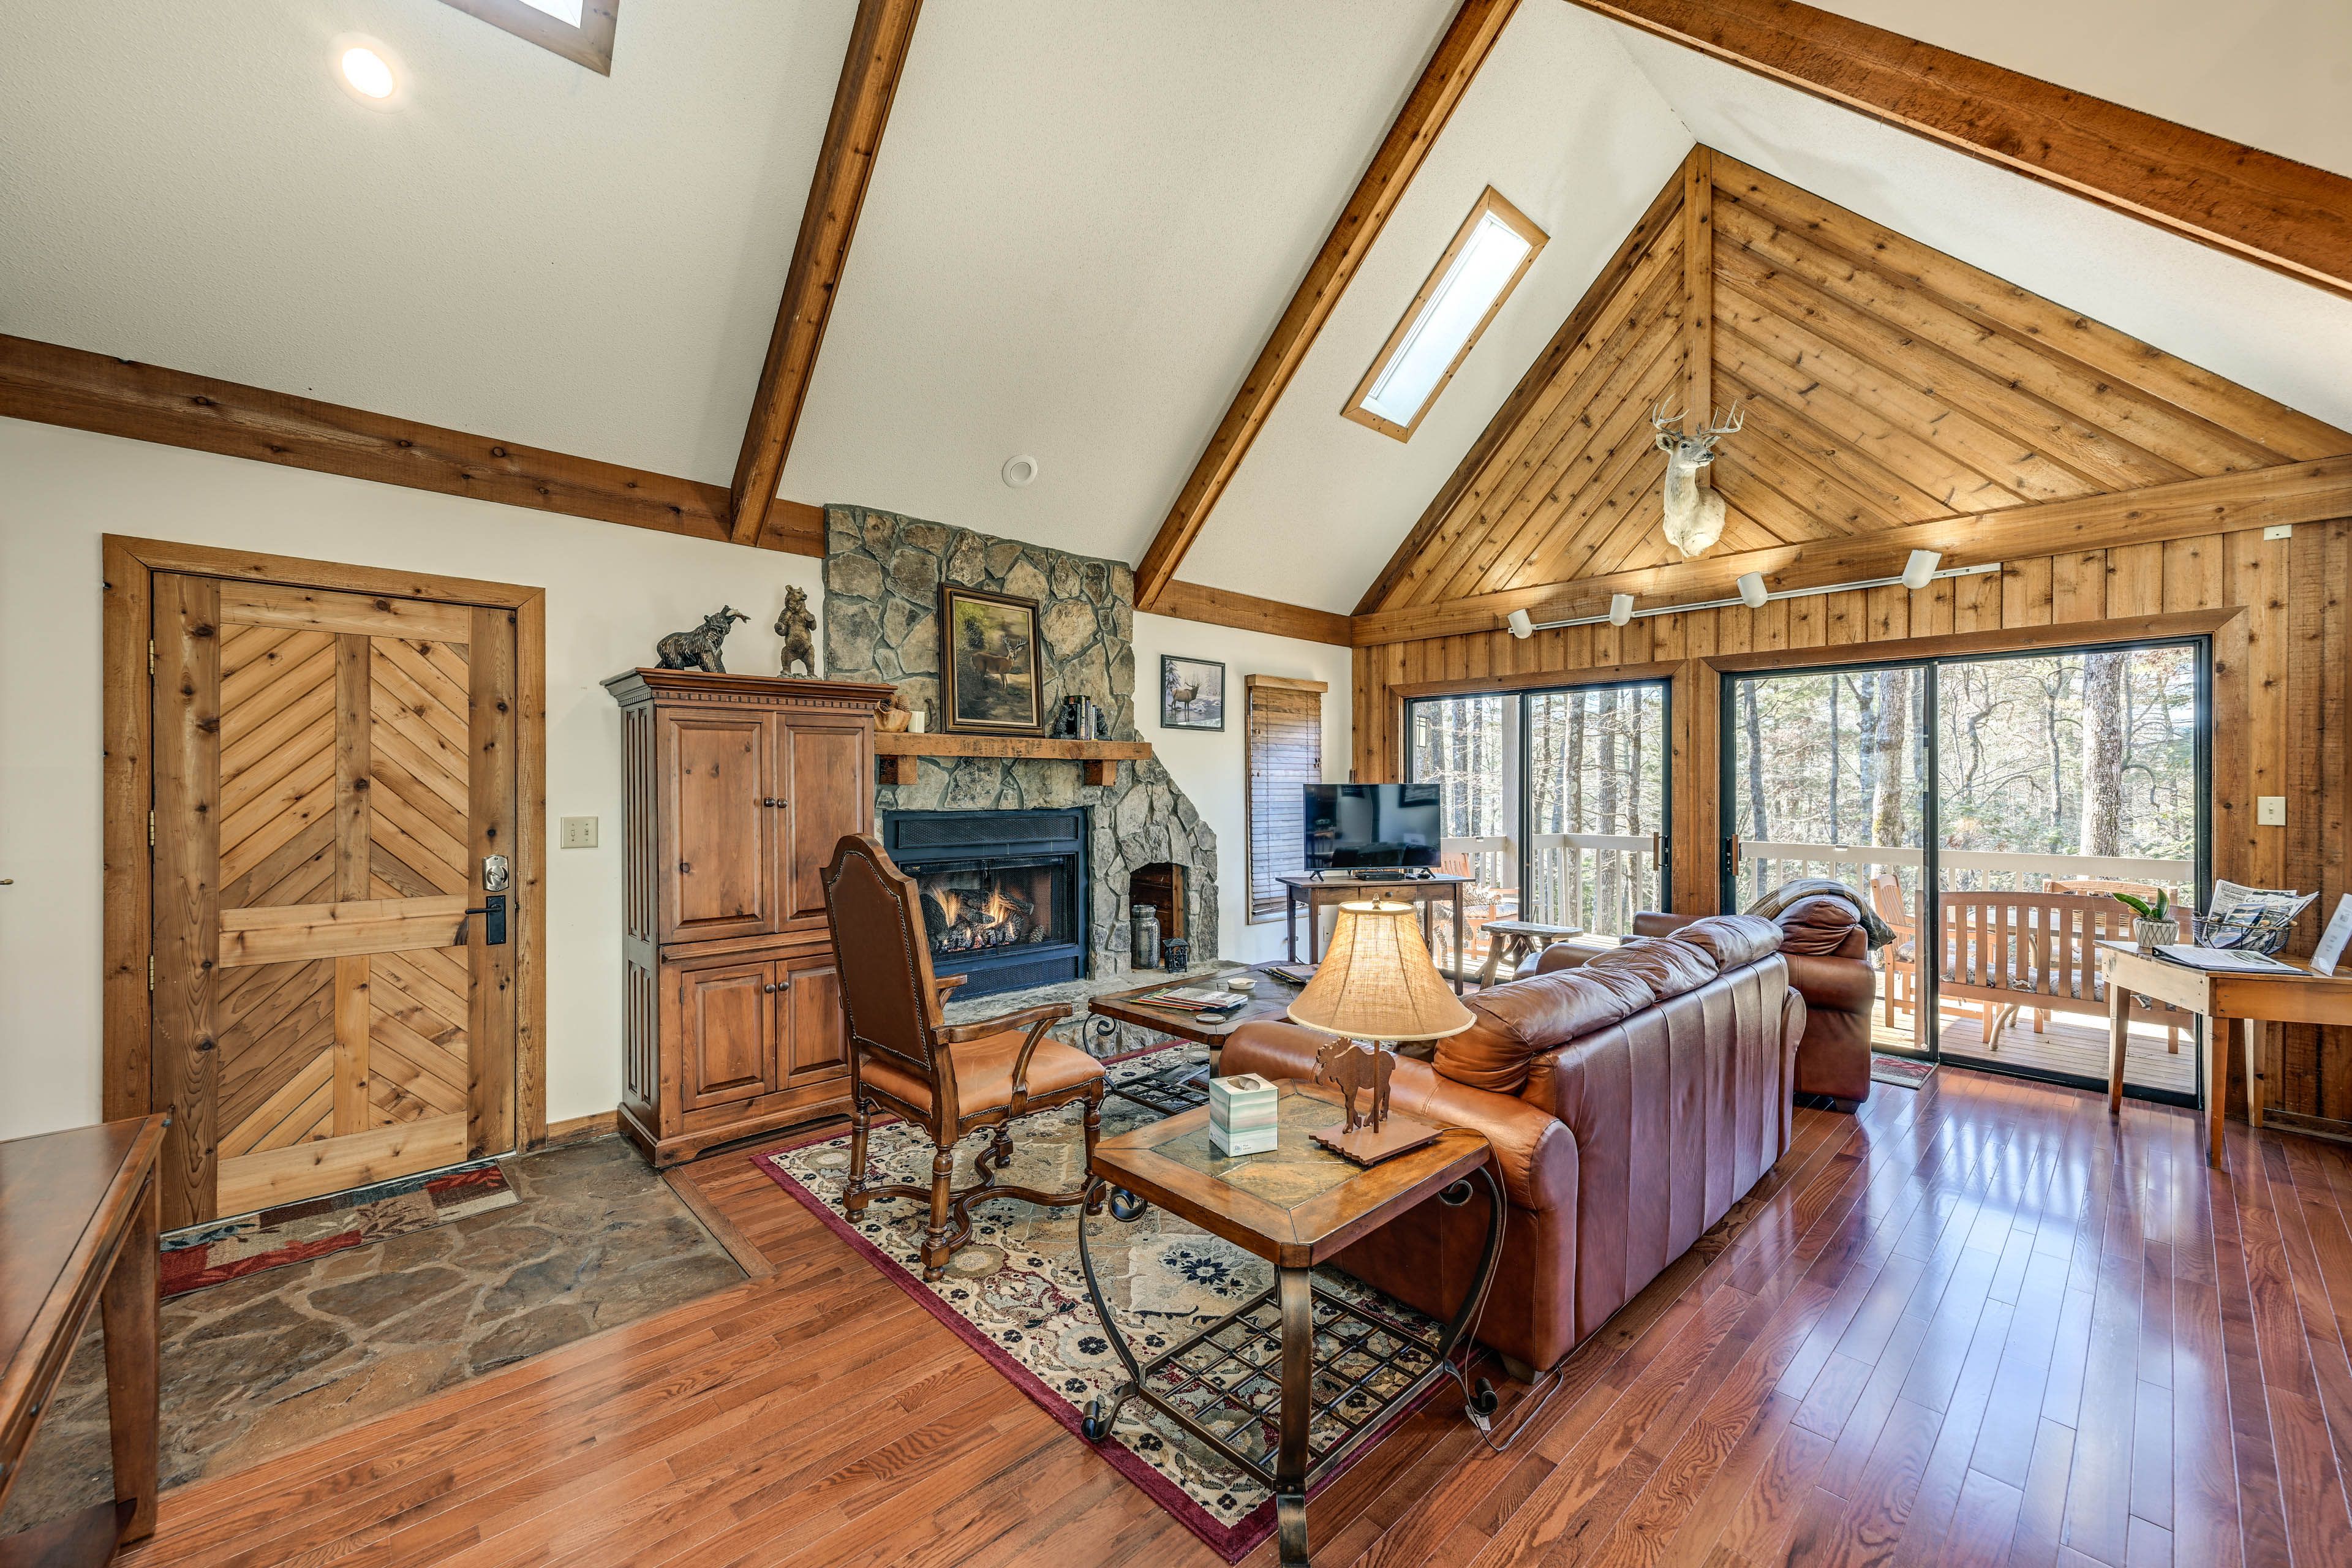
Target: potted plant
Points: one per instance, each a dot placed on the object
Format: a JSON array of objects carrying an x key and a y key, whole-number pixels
[{"x": 2152, "y": 927}]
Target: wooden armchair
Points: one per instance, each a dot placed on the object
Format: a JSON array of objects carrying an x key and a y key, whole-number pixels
[
  {"x": 1901, "y": 955},
  {"x": 948, "y": 1079}
]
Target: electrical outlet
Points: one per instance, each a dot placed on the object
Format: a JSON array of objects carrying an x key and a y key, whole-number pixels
[
  {"x": 579, "y": 833},
  {"x": 2270, "y": 811}
]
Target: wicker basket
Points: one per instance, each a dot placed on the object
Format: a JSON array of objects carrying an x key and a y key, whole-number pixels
[{"x": 2266, "y": 933}]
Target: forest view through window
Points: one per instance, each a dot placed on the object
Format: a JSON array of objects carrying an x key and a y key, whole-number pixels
[{"x": 1554, "y": 803}]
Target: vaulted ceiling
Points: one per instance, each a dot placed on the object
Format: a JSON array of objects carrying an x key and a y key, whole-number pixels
[
  {"x": 1085, "y": 221},
  {"x": 1883, "y": 383}
]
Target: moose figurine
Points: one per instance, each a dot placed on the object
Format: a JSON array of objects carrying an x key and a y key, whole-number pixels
[
  {"x": 700, "y": 648},
  {"x": 1694, "y": 513},
  {"x": 1348, "y": 1067}
]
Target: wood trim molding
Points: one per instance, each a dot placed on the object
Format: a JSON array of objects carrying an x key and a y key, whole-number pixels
[
  {"x": 878, "y": 41},
  {"x": 589, "y": 44},
  {"x": 2220, "y": 503},
  {"x": 1491, "y": 200},
  {"x": 1285, "y": 683},
  {"x": 1538, "y": 680},
  {"x": 2284, "y": 214},
  {"x": 1467, "y": 41},
  {"x": 51, "y": 384},
  {"x": 2001, "y": 639},
  {"x": 1698, "y": 288},
  {"x": 1223, "y": 607},
  {"x": 127, "y": 787},
  {"x": 1484, "y": 463}
]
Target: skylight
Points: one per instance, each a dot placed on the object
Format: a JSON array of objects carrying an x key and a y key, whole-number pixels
[
  {"x": 1491, "y": 252},
  {"x": 578, "y": 31}
]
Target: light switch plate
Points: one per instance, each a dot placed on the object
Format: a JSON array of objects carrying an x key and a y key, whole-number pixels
[
  {"x": 2270, "y": 811},
  {"x": 2279, "y": 530},
  {"x": 579, "y": 833}
]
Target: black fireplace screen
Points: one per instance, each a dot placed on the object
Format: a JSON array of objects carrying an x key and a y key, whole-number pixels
[{"x": 978, "y": 907}]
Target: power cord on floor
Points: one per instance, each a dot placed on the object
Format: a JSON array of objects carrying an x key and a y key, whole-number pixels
[{"x": 1479, "y": 1404}]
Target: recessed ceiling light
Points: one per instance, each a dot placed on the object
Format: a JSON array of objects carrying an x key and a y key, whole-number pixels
[
  {"x": 368, "y": 74},
  {"x": 1020, "y": 471}
]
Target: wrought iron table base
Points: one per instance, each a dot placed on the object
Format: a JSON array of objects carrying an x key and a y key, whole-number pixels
[{"x": 1284, "y": 1315}]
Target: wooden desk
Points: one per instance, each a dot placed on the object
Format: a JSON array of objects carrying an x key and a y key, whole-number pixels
[
  {"x": 1316, "y": 890},
  {"x": 79, "y": 1217},
  {"x": 2253, "y": 1001}
]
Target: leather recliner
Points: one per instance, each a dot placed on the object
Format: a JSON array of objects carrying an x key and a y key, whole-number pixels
[
  {"x": 1629, "y": 1104},
  {"x": 1828, "y": 963}
]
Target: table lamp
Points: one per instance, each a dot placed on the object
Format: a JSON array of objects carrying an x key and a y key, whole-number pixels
[{"x": 1376, "y": 984}]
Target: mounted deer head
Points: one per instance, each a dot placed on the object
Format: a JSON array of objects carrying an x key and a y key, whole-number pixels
[{"x": 1694, "y": 514}]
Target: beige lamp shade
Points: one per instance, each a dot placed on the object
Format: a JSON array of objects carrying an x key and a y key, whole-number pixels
[{"x": 1377, "y": 981}]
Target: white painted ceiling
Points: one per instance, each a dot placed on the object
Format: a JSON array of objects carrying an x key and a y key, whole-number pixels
[
  {"x": 1085, "y": 220},
  {"x": 1565, "y": 126},
  {"x": 2273, "y": 74},
  {"x": 516, "y": 246}
]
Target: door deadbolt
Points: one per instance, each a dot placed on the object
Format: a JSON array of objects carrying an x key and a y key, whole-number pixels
[{"x": 495, "y": 874}]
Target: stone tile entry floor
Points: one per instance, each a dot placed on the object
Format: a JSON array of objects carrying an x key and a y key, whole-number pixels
[{"x": 272, "y": 1360}]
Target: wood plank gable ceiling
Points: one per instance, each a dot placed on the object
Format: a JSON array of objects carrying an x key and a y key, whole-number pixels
[{"x": 1884, "y": 384}]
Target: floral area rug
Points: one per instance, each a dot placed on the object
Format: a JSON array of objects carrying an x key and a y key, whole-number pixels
[
  {"x": 297, "y": 1232},
  {"x": 1015, "y": 1292}
]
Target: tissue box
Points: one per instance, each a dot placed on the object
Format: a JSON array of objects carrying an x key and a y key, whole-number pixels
[{"x": 1242, "y": 1119}]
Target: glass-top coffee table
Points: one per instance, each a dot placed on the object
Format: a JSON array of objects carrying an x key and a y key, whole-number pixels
[
  {"x": 1186, "y": 1085},
  {"x": 1341, "y": 1372}
]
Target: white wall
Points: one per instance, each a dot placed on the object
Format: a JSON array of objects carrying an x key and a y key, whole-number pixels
[
  {"x": 1210, "y": 764},
  {"x": 611, "y": 591}
]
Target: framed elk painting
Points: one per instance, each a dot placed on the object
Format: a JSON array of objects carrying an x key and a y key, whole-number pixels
[{"x": 988, "y": 663}]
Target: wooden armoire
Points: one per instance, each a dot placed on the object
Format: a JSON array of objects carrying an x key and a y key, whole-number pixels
[{"x": 737, "y": 787}]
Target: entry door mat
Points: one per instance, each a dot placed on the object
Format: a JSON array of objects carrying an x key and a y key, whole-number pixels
[
  {"x": 297, "y": 1232},
  {"x": 1901, "y": 1071},
  {"x": 1015, "y": 1293},
  {"x": 274, "y": 1359}
]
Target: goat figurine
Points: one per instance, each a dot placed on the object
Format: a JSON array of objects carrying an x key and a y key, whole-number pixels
[
  {"x": 1694, "y": 513},
  {"x": 701, "y": 647}
]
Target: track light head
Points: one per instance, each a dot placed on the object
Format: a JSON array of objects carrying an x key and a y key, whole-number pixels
[
  {"x": 1621, "y": 608},
  {"x": 1522, "y": 625},
  {"x": 1751, "y": 591},
  {"x": 1920, "y": 570}
]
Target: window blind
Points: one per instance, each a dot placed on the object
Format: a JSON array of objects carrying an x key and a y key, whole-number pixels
[{"x": 1285, "y": 750}]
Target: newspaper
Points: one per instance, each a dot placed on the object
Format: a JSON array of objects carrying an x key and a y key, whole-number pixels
[{"x": 2236, "y": 914}]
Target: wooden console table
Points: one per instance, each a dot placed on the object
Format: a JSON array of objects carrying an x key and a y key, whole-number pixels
[
  {"x": 2254, "y": 1001},
  {"x": 1315, "y": 890},
  {"x": 80, "y": 1212}
]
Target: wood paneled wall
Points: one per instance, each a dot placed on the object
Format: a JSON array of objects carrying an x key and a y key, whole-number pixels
[{"x": 2282, "y": 653}]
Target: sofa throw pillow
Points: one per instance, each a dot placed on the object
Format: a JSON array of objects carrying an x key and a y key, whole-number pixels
[
  {"x": 1521, "y": 1021},
  {"x": 1816, "y": 925},
  {"x": 1666, "y": 966},
  {"x": 1734, "y": 940}
]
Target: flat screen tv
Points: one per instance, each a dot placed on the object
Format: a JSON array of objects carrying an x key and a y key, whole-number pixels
[{"x": 1350, "y": 825}]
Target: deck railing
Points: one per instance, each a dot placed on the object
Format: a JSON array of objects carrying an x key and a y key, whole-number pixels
[{"x": 1764, "y": 866}]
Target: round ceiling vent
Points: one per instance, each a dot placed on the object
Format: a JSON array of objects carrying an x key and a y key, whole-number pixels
[{"x": 1020, "y": 471}]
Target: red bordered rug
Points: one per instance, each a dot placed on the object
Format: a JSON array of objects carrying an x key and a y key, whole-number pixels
[
  {"x": 1014, "y": 1292},
  {"x": 296, "y": 1233}
]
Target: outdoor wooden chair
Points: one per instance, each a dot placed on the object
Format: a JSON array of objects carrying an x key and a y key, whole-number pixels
[
  {"x": 947, "y": 1080},
  {"x": 2104, "y": 888},
  {"x": 1902, "y": 958}
]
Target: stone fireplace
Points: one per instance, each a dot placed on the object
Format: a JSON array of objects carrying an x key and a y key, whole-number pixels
[
  {"x": 882, "y": 576},
  {"x": 1005, "y": 893}
]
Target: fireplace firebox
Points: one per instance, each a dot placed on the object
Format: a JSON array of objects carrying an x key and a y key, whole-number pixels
[{"x": 1004, "y": 893}]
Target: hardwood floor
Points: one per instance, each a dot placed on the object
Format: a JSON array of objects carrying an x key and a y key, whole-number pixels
[{"x": 1973, "y": 1325}]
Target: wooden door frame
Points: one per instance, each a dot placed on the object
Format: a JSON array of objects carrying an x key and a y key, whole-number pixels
[
  {"x": 1697, "y": 693},
  {"x": 131, "y": 564}
]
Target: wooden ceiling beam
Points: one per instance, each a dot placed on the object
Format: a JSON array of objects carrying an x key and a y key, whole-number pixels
[
  {"x": 2284, "y": 214},
  {"x": 1224, "y": 607},
  {"x": 1468, "y": 39},
  {"x": 2293, "y": 493},
  {"x": 878, "y": 41},
  {"x": 57, "y": 385}
]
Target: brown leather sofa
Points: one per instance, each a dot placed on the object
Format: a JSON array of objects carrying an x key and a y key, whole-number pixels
[
  {"x": 1828, "y": 963},
  {"x": 1630, "y": 1103}
]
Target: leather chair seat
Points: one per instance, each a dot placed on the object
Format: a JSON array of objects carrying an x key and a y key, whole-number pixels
[{"x": 983, "y": 1072}]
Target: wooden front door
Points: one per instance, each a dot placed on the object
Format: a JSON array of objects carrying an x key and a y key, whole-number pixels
[{"x": 334, "y": 999}]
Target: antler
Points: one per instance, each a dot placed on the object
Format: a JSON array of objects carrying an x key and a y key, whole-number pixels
[
  {"x": 1664, "y": 420},
  {"x": 1736, "y": 417}
]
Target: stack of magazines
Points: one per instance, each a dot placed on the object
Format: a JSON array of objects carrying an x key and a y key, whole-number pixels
[
  {"x": 1194, "y": 999},
  {"x": 2250, "y": 920}
]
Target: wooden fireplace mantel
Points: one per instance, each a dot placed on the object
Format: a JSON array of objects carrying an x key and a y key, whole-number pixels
[{"x": 895, "y": 757}]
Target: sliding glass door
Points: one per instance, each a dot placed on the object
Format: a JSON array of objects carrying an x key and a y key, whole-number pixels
[
  {"x": 1988, "y": 809},
  {"x": 1555, "y": 804}
]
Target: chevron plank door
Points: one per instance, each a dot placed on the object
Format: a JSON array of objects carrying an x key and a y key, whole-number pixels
[{"x": 331, "y": 771}]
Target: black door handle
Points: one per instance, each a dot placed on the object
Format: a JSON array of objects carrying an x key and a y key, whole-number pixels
[{"x": 494, "y": 921}]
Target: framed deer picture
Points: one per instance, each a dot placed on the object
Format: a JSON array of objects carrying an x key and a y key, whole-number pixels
[{"x": 989, "y": 678}]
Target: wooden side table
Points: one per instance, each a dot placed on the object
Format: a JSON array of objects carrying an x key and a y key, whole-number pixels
[
  {"x": 1515, "y": 941},
  {"x": 1295, "y": 1207},
  {"x": 1315, "y": 889},
  {"x": 2255, "y": 1002},
  {"x": 80, "y": 1212}
]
